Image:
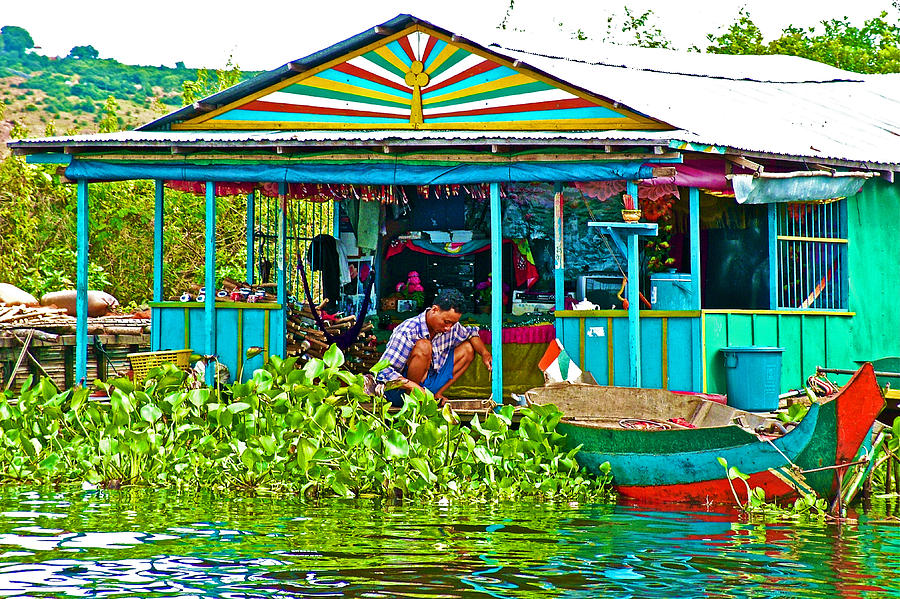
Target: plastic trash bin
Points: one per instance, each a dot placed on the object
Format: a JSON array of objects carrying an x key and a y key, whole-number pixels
[
  {"x": 753, "y": 377},
  {"x": 671, "y": 291}
]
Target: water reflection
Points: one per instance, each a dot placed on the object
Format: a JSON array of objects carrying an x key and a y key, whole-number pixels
[{"x": 145, "y": 543}]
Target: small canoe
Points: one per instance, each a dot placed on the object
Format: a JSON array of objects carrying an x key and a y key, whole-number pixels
[{"x": 664, "y": 446}]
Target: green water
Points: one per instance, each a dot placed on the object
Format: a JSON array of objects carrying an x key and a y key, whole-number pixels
[{"x": 145, "y": 543}]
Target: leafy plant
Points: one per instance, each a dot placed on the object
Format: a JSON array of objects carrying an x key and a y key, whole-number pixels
[
  {"x": 807, "y": 505},
  {"x": 54, "y": 270},
  {"x": 309, "y": 430}
]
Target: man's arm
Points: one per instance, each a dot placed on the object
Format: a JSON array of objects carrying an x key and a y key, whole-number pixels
[
  {"x": 396, "y": 352},
  {"x": 482, "y": 350}
]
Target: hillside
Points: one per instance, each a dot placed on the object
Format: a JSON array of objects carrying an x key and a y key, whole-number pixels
[{"x": 42, "y": 94}]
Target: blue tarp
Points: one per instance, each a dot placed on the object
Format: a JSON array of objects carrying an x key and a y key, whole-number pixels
[{"x": 373, "y": 173}]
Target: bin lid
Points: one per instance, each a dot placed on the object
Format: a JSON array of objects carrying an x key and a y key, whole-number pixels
[
  {"x": 680, "y": 277},
  {"x": 752, "y": 348}
]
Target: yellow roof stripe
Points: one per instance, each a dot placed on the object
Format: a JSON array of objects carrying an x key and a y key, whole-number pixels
[
  {"x": 446, "y": 53},
  {"x": 510, "y": 81},
  {"x": 346, "y": 88},
  {"x": 392, "y": 58}
]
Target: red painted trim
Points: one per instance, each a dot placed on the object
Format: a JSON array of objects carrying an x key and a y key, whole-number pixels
[
  {"x": 356, "y": 71},
  {"x": 717, "y": 491},
  {"x": 481, "y": 67},
  {"x": 404, "y": 43},
  {"x": 857, "y": 407},
  {"x": 303, "y": 109},
  {"x": 429, "y": 46},
  {"x": 548, "y": 105}
]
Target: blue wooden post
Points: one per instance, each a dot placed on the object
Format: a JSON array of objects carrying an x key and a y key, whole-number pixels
[
  {"x": 694, "y": 211},
  {"x": 696, "y": 328},
  {"x": 81, "y": 286},
  {"x": 632, "y": 231},
  {"x": 251, "y": 231},
  {"x": 773, "y": 256},
  {"x": 496, "y": 295},
  {"x": 634, "y": 306},
  {"x": 559, "y": 270},
  {"x": 210, "y": 299},
  {"x": 279, "y": 317},
  {"x": 280, "y": 249},
  {"x": 158, "y": 267},
  {"x": 336, "y": 219},
  {"x": 634, "y": 300}
]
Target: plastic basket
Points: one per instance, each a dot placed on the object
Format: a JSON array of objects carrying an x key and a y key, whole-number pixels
[{"x": 142, "y": 363}]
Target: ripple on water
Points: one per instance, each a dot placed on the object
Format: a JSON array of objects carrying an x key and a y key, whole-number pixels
[{"x": 164, "y": 544}]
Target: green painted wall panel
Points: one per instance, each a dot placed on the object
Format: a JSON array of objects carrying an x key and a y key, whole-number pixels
[
  {"x": 874, "y": 268},
  {"x": 765, "y": 329},
  {"x": 716, "y": 338},
  {"x": 739, "y": 329},
  {"x": 836, "y": 341},
  {"x": 814, "y": 345}
]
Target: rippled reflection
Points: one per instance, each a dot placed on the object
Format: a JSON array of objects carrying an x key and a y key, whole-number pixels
[{"x": 144, "y": 543}]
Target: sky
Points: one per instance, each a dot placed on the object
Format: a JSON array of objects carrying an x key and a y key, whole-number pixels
[{"x": 265, "y": 34}]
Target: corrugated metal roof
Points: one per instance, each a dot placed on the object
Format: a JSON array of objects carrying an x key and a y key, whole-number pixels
[
  {"x": 855, "y": 120},
  {"x": 341, "y": 137},
  {"x": 768, "y": 105}
]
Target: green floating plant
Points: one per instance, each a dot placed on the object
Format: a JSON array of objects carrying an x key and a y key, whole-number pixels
[
  {"x": 808, "y": 505},
  {"x": 307, "y": 429}
]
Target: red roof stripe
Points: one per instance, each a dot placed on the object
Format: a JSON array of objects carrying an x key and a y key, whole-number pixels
[
  {"x": 356, "y": 71},
  {"x": 548, "y": 105},
  {"x": 481, "y": 67},
  {"x": 429, "y": 47},
  {"x": 404, "y": 43},
  {"x": 303, "y": 109}
]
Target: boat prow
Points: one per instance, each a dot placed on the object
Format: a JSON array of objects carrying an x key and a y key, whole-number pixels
[{"x": 666, "y": 446}]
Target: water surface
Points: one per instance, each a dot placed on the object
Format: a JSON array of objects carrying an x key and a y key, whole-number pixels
[{"x": 161, "y": 543}]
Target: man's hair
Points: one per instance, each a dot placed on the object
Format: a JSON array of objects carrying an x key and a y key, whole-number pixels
[{"x": 450, "y": 299}]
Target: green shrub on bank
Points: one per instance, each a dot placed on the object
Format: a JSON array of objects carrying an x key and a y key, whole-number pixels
[
  {"x": 309, "y": 430},
  {"x": 38, "y": 234}
]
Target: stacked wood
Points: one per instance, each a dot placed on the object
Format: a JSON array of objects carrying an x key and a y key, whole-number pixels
[
  {"x": 304, "y": 337},
  {"x": 57, "y": 321},
  {"x": 33, "y": 317}
]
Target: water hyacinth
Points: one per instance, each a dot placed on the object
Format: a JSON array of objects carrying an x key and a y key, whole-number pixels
[{"x": 309, "y": 430}]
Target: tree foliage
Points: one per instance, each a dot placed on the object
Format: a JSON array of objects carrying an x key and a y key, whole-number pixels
[
  {"x": 872, "y": 48},
  {"x": 209, "y": 82},
  {"x": 88, "y": 52},
  {"x": 16, "y": 39}
]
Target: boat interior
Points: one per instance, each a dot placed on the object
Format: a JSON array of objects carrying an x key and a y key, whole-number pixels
[{"x": 651, "y": 409}]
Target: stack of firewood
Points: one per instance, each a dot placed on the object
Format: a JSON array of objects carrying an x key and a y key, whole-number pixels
[
  {"x": 304, "y": 337},
  {"x": 56, "y": 320},
  {"x": 34, "y": 317}
]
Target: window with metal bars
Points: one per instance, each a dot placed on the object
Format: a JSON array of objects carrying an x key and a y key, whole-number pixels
[
  {"x": 810, "y": 255},
  {"x": 303, "y": 221}
]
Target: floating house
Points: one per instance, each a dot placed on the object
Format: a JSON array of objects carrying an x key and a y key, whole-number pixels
[{"x": 502, "y": 166}]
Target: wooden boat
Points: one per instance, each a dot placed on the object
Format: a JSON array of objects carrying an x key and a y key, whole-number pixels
[{"x": 664, "y": 446}]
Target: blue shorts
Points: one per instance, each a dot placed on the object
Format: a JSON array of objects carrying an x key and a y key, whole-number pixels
[{"x": 433, "y": 382}]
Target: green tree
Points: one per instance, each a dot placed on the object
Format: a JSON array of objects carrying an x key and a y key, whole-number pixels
[
  {"x": 208, "y": 83},
  {"x": 16, "y": 39},
  {"x": 743, "y": 37},
  {"x": 84, "y": 52},
  {"x": 872, "y": 48},
  {"x": 109, "y": 118},
  {"x": 643, "y": 33}
]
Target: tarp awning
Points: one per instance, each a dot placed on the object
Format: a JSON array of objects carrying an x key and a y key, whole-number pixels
[
  {"x": 362, "y": 173},
  {"x": 796, "y": 187}
]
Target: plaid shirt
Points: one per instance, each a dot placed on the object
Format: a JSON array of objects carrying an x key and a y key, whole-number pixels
[{"x": 404, "y": 337}]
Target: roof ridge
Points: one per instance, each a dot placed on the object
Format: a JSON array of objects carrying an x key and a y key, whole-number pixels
[{"x": 674, "y": 72}]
